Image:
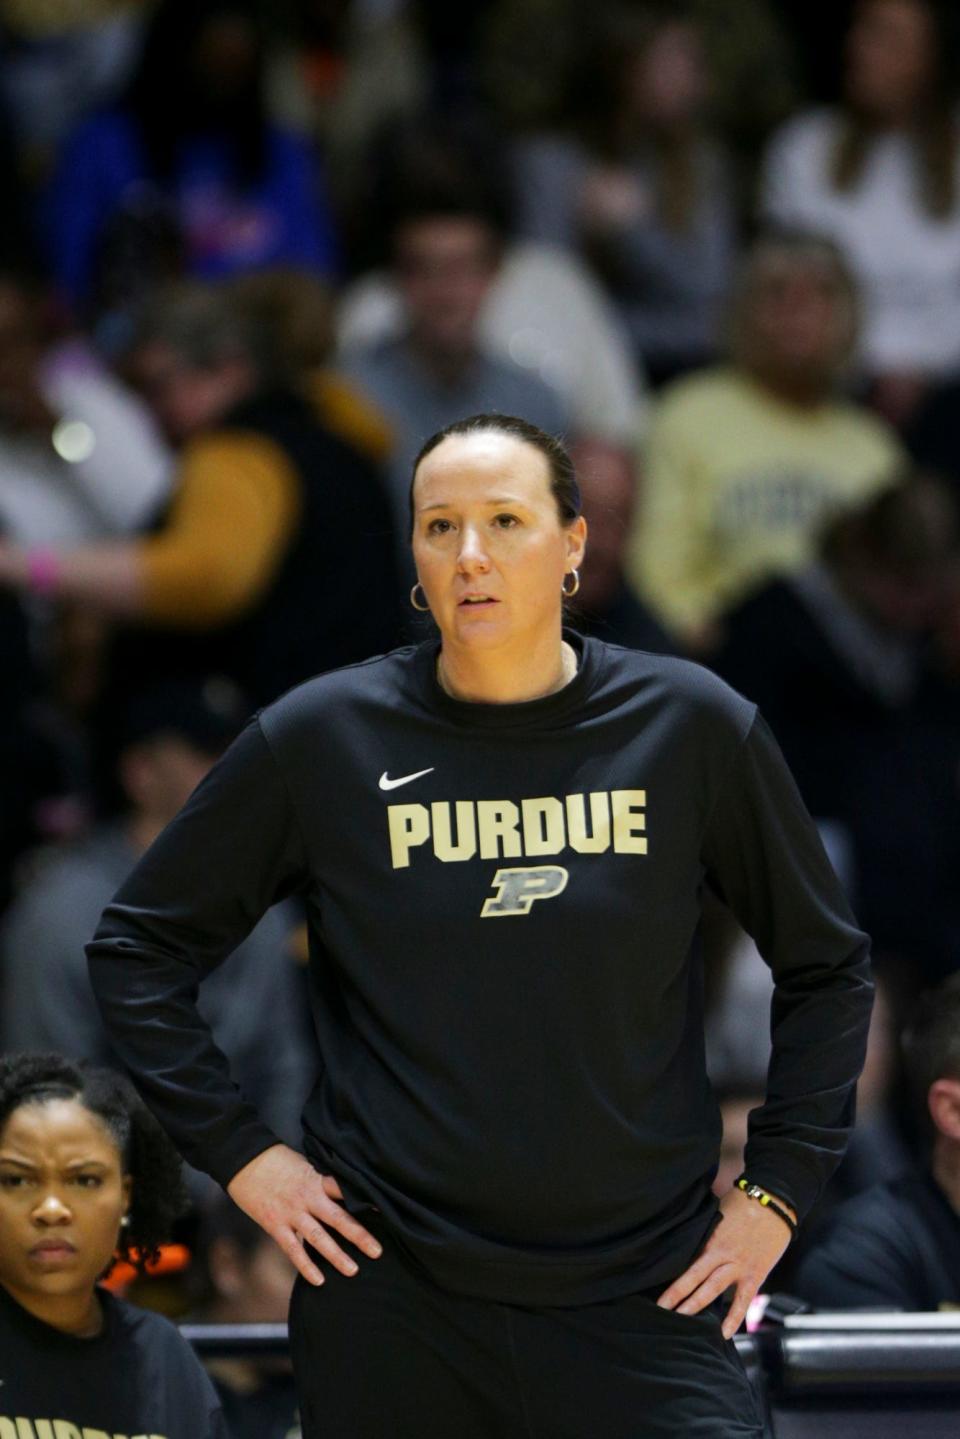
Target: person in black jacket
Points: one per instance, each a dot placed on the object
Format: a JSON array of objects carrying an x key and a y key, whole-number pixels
[
  {"x": 86, "y": 1176},
  {"x": 501, "y": 839},
  {"x": 844, "y": 662},
  {"x": 897, "y": 1245}
]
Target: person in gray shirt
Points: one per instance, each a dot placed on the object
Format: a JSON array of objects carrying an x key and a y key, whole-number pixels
[
  {"x": 170, "y": 738},
  {"x": 446, "y": 248}
]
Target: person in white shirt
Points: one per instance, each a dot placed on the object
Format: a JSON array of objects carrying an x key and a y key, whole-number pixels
[
  {"x": 80, "y": 458},
  {"x": 880, "y": 175}
]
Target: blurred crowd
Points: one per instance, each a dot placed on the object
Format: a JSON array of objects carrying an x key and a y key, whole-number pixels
[{"x": 252, "y": 256}]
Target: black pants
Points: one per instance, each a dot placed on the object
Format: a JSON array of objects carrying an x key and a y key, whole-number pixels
[{"x": 389, "y": 1355}]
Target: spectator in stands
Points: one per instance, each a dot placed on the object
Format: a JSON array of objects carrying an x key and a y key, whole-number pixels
[
  {"x": 753, "y": 66},
  {"x": 446, "y": 250},
  {"x": 642, "y": 187},
  {"x": 192, "y": 132},
  {"x": 80, "y": 458},
  {"x": 87, "y": 1176},
  {"x": 880, "y": 174},
  {"x": 62, "y": 61},
  {"x": 897, "y": 1245},
  {"x": 240, "y": 1276},
  {"x": 297, "y": 310},
  {"x": 744, "y": 462},
  {"x": 605, "y": 605},
  {"x": 242, "y": 575},
  {"x": 838, "y": 658},
  {"x": 542, "y": 309},
  {"x": 170, "y": 737},
  {"x": 346, "y": 74}
]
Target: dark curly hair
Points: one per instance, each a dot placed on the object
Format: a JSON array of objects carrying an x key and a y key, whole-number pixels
[{"x": 146, "y": 1153}]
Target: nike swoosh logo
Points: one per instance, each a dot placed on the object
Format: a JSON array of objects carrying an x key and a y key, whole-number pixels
[{"x": 386, "y": 783}]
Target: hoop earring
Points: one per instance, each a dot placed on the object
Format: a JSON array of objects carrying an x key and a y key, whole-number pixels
[
  {"x": 569, "y": 594},
  {"x": 424, "y": 608}
]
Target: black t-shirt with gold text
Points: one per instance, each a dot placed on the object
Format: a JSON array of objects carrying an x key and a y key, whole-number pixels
[
  {"x": 138, "y": 1378},
  {"x": 503, "y": 904}
]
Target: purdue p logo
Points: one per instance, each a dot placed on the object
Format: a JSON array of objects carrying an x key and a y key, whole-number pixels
[{"x": 518, "y": 888}]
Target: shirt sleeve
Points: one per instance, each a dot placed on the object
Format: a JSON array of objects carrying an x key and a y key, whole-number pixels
[
  {"x": 666, "y": 557},
  {"x": 763, "y": 855},
  {"x": 235, "y": 509},
  {"x": 233, "y": 851}
]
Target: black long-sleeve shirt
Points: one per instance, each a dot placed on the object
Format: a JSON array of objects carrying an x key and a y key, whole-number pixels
[
  {"x": 503, "y": 908},
  {"x": 893, "y": 1246}
]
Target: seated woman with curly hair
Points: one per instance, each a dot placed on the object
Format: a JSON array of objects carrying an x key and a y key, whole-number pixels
[{"x": 86, "y": 1177}]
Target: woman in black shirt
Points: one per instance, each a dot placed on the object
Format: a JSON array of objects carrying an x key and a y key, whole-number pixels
[
  {"x": 86, "y": 1176},
  {"x": 501, "y": 841}
]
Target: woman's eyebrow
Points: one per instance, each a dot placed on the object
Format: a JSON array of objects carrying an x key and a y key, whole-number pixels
[
  {"x": 451, "y": 504},
  {"x": 20, "y": 1163}
]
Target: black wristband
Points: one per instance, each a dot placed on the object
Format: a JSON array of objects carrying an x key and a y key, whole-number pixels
[{"x": 754, "y": 1191}]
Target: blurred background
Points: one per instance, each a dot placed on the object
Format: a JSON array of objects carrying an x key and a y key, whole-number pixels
[{"x": 252, "y": 255}]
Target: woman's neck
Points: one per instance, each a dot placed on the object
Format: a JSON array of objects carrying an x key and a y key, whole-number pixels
[
  {"x": 78, "y": 1314},
  {"x": 491, "y": 677}
]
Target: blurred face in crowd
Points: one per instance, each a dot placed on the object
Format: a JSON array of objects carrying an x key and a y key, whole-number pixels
[
  {"x": 187, "y": 398},
  {"x": 62, "y": 1196},
  {"x": 798, "y": 322},
  {"x": 905, "y": 584},
  {"x": 225, "y": 59},
  {"x": 251, "y": 1288},
  {"x": 667, "y": 83},
  {"x": 607, "y": 483},
  {"x": 444, "y": 270},
  {"x": 160, "y": 774},
  {"x": 890, "y": 61},
  {"x": 489, "y": 544}
]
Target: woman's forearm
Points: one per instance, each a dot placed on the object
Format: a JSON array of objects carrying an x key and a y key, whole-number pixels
[{"x": 108, "y": 576}]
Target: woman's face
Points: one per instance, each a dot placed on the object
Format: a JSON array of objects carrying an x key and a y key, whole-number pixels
[
  {"x": 62, "y": 1196},
  {"x": 490, "y": 548},
  {"x": 890, "y": 58},
  {"x": 798, "y": 324},
  {"x": 667, "y": 85}
]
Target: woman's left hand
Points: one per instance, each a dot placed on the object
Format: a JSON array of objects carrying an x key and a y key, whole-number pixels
[{"x": 742, "y": 1249}]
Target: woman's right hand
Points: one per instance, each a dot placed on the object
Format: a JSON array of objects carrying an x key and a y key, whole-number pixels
[{"x": 295, "y": 1205}]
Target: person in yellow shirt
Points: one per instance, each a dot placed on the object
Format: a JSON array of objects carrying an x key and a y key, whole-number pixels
[{"x": 744, "y": 462}]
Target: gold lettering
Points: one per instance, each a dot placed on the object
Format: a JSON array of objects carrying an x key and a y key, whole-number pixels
[
  {"x": 45, "y": 1429},
  {"x": 497, "y": 825},
  {"x": 96, "y": 1434},
  {"x": 409, "y": 826},
  {"x": 8, "y": 1430},
  {"x": 628, "y": 822},
  {"x": 443, "y": 845},
  {"x": 599, "y": 838},
  {"x": 544, "y": 831},
  {"x": 25, "y": 1429},
  {"x": 64, "y": 1430}
]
